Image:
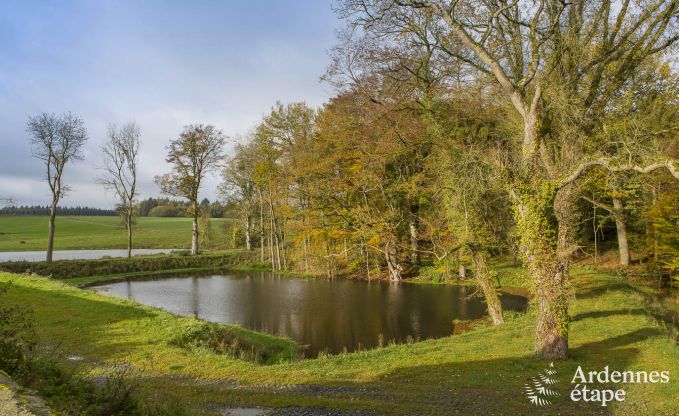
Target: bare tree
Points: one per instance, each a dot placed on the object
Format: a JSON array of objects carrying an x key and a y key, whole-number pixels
[
  {"x": 121, "y": 156},
  {"x": 196, "y": 152},
  {"x": 55, "y": 141}
]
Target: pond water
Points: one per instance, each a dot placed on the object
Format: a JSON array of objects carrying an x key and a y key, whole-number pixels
[
  {"x": 75, "y": 254},
  {"x": 321, "y": 314}
]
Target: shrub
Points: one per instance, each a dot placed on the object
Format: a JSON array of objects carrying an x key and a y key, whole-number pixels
[
  {"x": 17, "y": 335},
  {"x": 66, "y": 390},
  {"x": 64, "y": 269},
  {"x": 167, "y": 211},
  {"x": 115, "y": 393},
  {"x": 236, "y": 343}
]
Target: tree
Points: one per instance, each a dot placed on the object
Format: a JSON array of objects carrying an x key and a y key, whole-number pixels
[
  {"x": 558, "y": 65},
  {"x": 196, "y": 152},
  {"x": 239, "y": 186},
  {"x": 56, "y": 140},
  {"x": 121, "y": 156}
]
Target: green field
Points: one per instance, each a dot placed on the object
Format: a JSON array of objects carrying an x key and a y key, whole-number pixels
[
  {"x": 478, "y": 372},
  {"x": 24, "y": 233}
]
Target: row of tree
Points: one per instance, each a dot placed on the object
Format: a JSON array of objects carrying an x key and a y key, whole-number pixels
[
  {"x": 45, "y": 210},
  {"x": 59, "y": 139},
  {"x": 466, "y": 129},
  {"x": 150, "y": 207},
  {"x": 166, "y": 207}
]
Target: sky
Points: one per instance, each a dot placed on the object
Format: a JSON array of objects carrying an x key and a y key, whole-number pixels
[{"x": 163, "y": 64}]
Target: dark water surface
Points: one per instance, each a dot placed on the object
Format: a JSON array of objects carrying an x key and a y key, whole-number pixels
[{"x": 325, "y": 315}]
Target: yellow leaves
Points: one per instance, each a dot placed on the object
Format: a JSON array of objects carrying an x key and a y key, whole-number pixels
[{"x": 374, "y": 240}]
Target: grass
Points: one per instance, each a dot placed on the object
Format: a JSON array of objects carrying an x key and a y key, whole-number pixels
[
  {"x": 121, "y": 268},
  {"x": 27, "y": 233},
  {"x": 477, "y": 372}
]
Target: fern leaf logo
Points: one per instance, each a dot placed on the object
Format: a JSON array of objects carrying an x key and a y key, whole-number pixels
[{"x": 538, "y": 390}]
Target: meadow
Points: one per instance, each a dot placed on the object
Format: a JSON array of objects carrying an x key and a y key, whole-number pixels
[
  {"x": 27, "y": 233},
  {"x": 478, "y": 372}
]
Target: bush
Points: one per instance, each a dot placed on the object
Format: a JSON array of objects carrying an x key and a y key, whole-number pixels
[
  {"x": 66, "y": 390},
  {"x": 64, "y": 269},
  {"x": 115, "y": 393},
  {"x": 167, "y": 211},
  {"x": 236, "y": 343},
  {"x": 17, "y": 335}
]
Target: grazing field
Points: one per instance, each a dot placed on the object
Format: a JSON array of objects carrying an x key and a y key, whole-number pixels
[
  {"x": 479, "y": 372},
  {"x": 23, "y": 233}
]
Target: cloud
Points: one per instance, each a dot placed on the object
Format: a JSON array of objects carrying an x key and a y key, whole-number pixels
[{"x": 162, "y": 64}]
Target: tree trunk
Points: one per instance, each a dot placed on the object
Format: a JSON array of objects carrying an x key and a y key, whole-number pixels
[
  {"x": 274, "y": 234},
  {"x": 620, "y": 226},
  {"x": 655, "y": 229},
  {"x": 129, "y": 233},
  {"x": 461, "y": 270},
  {"x": 306, "y": 254},
  {"x": 248, "y": 225},
  {"x": 413, "y": 226},
  {"x": 285, "y": 252},
  {"x": 50, "y": 235},
  {"x": 393, "y": 265},
  {"x": 483, "y": 277},
  {"x": 273, "y": 258},
  {"x": 367, "y": 257},
  {"x": 548, "y": 266},
  {"x": 195, "y": 232},
  {"x": 551, "y": 334},
  {"x": 261, "y": 226},
  {"x": 271, "y": 238},
  {"x": 276, "y": 239}
]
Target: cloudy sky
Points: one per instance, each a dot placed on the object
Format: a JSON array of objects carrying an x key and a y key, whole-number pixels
[{"x": 164, "y": 64}]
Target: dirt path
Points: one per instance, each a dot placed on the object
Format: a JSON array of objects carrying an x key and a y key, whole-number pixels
[{"x": 14, "y": 401}]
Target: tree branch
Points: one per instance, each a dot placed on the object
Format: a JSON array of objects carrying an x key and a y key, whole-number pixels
[{"x": 670, "y": 164}]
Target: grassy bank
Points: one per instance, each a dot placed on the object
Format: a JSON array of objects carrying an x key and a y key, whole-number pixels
[
  {"x": 479, "y": 372},
  {"x": 81, "y": 272},
  {"x": 24, "y": 233}
]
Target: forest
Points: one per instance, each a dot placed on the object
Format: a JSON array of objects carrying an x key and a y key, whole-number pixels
[{"x": 458, "y": 134}]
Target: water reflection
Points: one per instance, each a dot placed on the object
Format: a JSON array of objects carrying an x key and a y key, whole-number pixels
[{"x": 325, "y": 315}]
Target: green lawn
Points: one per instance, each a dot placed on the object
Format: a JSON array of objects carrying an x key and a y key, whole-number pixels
[
  {"x": 24, "y": 233},
  {"x": 478, "y": 372}
]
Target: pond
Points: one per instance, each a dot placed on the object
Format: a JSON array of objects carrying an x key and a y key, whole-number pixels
[
  {"x": 323, "y": 315},
  {"x": 75, "y": 254}
]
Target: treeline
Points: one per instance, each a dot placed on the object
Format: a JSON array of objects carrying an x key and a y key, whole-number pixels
[
  {"x": 372, "y": 189},
  {"x": 45, "y": 210},
  {"x": 461, "y": 132},
  {"x": 150, "y": 207},
  {"x": 166, "y": 207}
]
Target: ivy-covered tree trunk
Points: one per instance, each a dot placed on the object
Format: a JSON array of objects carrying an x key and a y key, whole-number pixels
[
  {"x": 545, "y": 246},
  {"x": 483, "y": 277}
]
